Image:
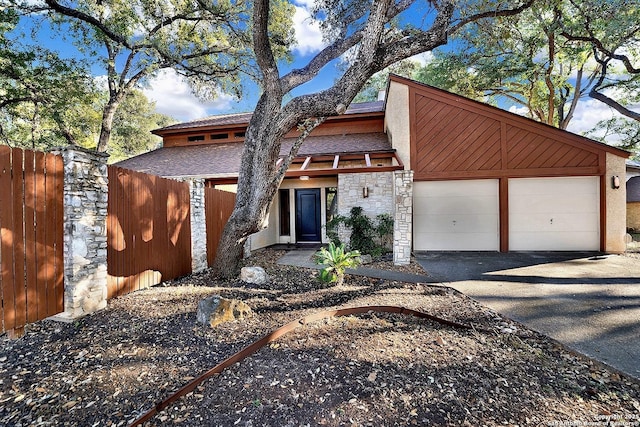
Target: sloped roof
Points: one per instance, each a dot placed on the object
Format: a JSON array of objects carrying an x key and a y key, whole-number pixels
[
  {"x": 633, "y": 189},
  {"x": 223, "y": 160},
  {"x": 243, "y": 118}
]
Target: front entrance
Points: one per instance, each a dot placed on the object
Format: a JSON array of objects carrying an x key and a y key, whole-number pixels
[{"x": 308, "y": 218}]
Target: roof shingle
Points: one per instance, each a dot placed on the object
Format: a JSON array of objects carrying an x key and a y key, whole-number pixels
[{"x": 223, "y": 160}]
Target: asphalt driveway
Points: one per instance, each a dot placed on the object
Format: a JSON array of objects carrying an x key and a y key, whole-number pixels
[{"x": 590, "y": 302}]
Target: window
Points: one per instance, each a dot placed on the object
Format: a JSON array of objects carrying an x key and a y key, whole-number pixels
[
  {"x": 285, "y": 213},
  {"x": 238, "y": 134},
  {"x": 219, "y": 136},
  {"x": 332, "y": 202},
  {"x": 195, "y": 138}
]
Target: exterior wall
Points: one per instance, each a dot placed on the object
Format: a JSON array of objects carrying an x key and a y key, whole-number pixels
[
  {"x": 268, "y": 236},
  {"x": 397, "y": 121},
  {"x": 616, "y": 205},
  {"x": 633, "y": 215},
  {"x": 85, "y": 237},
  {"x": 380, "y": 195},
  {"x": 403, "y": 217}
]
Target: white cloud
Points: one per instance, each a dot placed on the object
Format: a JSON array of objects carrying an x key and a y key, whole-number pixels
[
  {"x": 307, "y": 4},
  {"x": 174, "y": 97},
  {"x": 308, "y": 34},
  {"x": 423, "y": 58}
]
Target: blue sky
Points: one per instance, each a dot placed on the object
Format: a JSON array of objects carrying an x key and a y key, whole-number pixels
[{"x": 173, "y": 96}]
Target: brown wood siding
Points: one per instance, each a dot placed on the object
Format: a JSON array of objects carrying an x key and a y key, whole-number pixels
[
  {"x": 456, "y": 138},
  {"x": 148, "y": 230},
  {"x": 31, "y": 257},
  {"x": 338, "y": 126},
  {"x": 218, "y": 206}
]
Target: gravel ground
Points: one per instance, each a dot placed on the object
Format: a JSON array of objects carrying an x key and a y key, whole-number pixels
[{"x": 372, "y": 369}]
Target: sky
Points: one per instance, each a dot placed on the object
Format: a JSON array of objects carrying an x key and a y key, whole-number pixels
[{"x": 173, "y": 96}]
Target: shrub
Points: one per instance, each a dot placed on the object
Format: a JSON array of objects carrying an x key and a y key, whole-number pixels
[
  {"x": 367, "y": 236},
  {"x": 336, "y": 261}
]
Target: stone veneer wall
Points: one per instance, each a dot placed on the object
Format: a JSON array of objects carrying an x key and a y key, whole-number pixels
[
  {"x": 389, "y": 193},
  {"x": 403, "y": 217},
  {"x": 198, "y": 226},
  {"x": 85, "y": 231},
  {"x": 379, "y": 200}
]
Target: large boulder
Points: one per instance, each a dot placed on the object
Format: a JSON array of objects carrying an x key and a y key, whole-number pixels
[
  {"x": 255, "y": 275},
  {"x": 215, "y": 310}
]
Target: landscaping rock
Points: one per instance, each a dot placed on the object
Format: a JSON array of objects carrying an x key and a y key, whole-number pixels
[
  {"x": 255, "y": 275},
  {"x": 366, "y": 259},
  {"x": 216, "y": 310}
]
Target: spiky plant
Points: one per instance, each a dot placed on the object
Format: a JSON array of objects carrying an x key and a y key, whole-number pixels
[{"x": 336, "y": 260}]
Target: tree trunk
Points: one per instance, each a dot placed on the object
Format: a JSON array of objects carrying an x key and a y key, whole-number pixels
[
  {"x": 257, "y": 182},
  {"x": 108, "y": 113}
]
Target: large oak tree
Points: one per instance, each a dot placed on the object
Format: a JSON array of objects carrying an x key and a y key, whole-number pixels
[
  {"x": 374, "y": 34},
  {"x": 206, "y": 41}
]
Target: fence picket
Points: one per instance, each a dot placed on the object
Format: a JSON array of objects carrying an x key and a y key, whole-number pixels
[
  {"x": 6, "y": 238},
  {"x": 31, "y": 272}
]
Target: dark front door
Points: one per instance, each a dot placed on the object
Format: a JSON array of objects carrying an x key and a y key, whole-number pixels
[{"x": 308, "y": 221}]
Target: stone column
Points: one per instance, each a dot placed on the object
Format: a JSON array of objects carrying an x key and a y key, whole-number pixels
[
  {"x": 198, "y": 226},
  {"x": 85, "y": 231},
  {"x": 403, "y": 217}
]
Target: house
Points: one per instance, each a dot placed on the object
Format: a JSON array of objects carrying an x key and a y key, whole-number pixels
[
  {"x": 633, "y": 203},
  {"x": 455, "y": 174},
  {"x": 633, "y": 169}
]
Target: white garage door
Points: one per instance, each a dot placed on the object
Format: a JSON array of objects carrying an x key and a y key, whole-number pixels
[
  {"x": 559, "y": 214},
  {"x": 456, "y": 215}
]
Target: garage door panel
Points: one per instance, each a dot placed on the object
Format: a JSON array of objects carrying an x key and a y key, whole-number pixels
[
  {"x": 560, "y": 213},
  {"x": 558, "y": 241},
  {"x": 458, "y": 223},
  {"x": 558, "y": 223},
  {"x": 552, "y": 204},
  {"x": 455, "y": 242},
  {"x": 456, "y": 215},
  {"x": 454, "y": 205}
]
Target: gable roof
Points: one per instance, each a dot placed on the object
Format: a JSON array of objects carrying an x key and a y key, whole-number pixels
[
  {"x": 498, "y": 113},
  {"x": 454, "y": 137}
]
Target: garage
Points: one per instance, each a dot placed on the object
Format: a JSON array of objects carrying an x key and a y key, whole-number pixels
[
  {"x": 456, "y": 215},
  {"x": 559, "y": 214},
  {"x": 485, "y": 179}
]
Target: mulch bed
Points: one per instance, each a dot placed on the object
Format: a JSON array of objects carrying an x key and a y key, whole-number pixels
[{"x": 371, "y": 369}]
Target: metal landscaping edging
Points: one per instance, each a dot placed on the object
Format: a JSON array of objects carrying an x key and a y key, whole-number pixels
[{"x": 274, "y": 335}]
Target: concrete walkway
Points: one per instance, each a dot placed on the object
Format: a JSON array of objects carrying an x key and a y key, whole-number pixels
[
  {"x": 589, "y": 302},
  {"x": 303, "y": 258}
]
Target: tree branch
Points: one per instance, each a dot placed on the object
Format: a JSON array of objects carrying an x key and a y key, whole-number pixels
[
  {"x": 262, "y": 46},
  {"x": 491, "y": 14}
]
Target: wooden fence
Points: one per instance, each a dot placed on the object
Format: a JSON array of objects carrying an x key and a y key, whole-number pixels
[
  {"x": 148, "y": 230},
  {"x": 218, "y": 206},
  {"x": 31, "y": 224},
  {"x": 148, "y": 233}
]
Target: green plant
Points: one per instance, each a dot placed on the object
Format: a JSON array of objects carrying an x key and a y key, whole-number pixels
[
  {"x": 336, "y": 260},
  {"x": 332, "y": 228},
  {"x": 384, "y": 230},
  {"x": 367, "y": 236}
]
